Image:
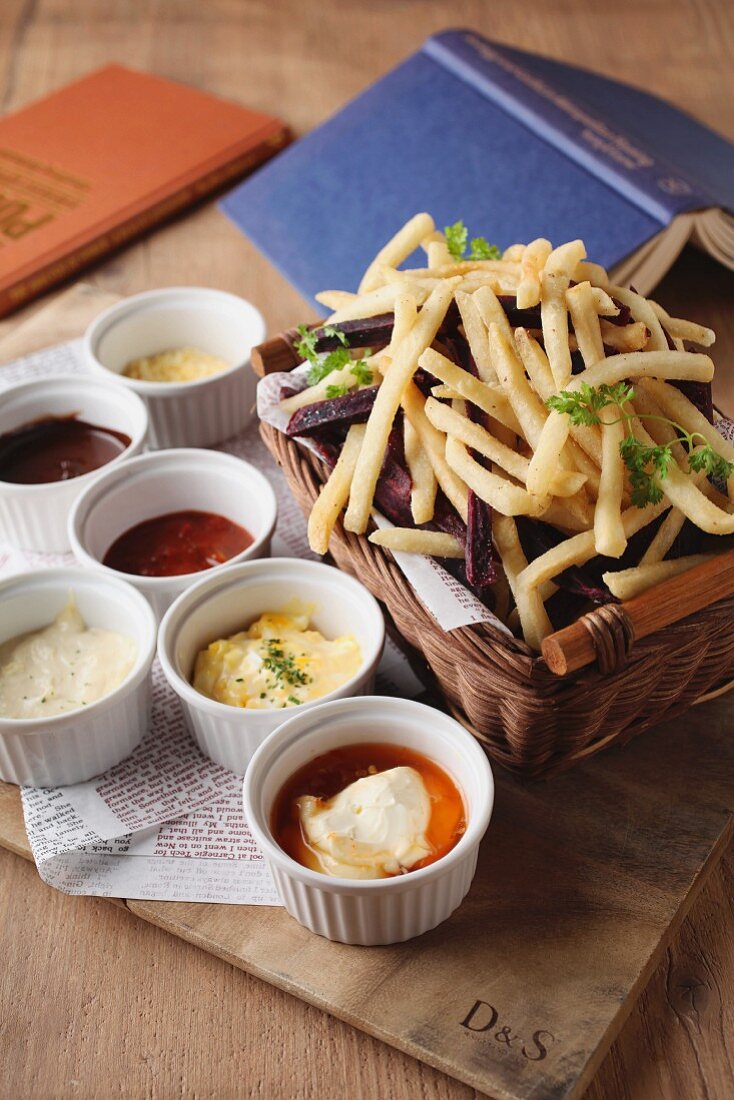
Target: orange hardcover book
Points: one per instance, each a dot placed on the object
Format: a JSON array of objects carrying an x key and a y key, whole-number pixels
[{"x": 100, "y": 161}]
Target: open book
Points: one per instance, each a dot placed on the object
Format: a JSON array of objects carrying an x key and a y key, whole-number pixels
[{"x": 517, "y": 146}]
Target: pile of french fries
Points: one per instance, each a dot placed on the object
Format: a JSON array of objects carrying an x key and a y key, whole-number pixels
[{"x": 483, "y": 433}]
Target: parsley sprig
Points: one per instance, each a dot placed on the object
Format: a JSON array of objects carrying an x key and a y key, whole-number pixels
[
  {"x": 647, "y": 465},
  {"x": 323, "y": 365},
  {"x": 457, "y": 238}
]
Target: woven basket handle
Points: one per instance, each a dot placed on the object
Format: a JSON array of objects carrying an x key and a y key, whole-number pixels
[{"x": 606, "y": 635}]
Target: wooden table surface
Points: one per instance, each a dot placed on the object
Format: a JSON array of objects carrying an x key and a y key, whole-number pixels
[{"x": 94, "y": 1003}]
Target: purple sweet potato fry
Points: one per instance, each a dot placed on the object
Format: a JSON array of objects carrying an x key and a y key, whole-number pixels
[
  {"x": 480, "y": 567},
  {"x": 351, "y": 408},
  {"x": 369, "y": 332}
]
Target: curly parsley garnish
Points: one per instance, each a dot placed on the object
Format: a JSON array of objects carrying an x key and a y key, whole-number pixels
[
  {"x": 282, "y": 665},
  {"x": 457, "y": 238},
  {"x": 647, "y": 465},
  {"x": 323, "y": 365}
]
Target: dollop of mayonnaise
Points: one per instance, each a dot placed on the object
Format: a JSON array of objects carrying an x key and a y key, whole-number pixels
[
  {"x": 65, "y": 666},
  {"x": 374, "y": 828}
]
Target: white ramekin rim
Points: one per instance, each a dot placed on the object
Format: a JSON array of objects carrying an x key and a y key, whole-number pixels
[
  {"x": 88, "y": 498},
  {"x": 78, "y": 382},
  {"x": 300, "y": 723},
  {"x": 198, "y": 594},
  {"x": 118, "y": 311},
  {"x": 67, "y": 576}
]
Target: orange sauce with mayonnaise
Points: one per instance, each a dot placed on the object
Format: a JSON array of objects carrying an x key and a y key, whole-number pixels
[{"x": 327, "y": 775}]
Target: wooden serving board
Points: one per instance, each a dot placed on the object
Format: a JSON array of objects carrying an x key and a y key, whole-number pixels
[{"x": 582, "y": 882}]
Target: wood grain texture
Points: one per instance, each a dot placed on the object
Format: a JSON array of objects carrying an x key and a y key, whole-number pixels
[
  {"x": 581, "y": 884},
  {"x": 96, "y": 1004}
]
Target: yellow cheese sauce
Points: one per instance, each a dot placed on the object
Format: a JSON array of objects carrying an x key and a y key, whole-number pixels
[
  {"x": 63, "y": 667},
  {"x": 277, "y": 662},
  {"x": 175, "y": 365}
]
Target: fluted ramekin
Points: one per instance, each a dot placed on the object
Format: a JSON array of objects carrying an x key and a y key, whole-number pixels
[
  {"x": 71, "y": 747},
  {"x": 182, "y": 414},
  {"x": 34, "y": 517},
  {"x": 221, "y": 605},
  {"x": 375, "y": 911},
  {"x": 171, "y": 481}
]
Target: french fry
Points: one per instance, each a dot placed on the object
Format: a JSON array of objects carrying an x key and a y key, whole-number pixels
[
  {"x": 663, "y": 433},
  {"x": 668, "y": 530},
  {"x": 380, "y": 300},
  {"x": 686, "y": 365},
  {"x": 335, "y": 493},
  {"x": 554, "y": 283},
  {"x": 335, "y": 299},
  {"x": 571, "y": 515},
  {"x": 437, "y": 544},
  {"x": 434, "y": 445},
  {"x": 423, "y": 493},
  {"x": 642, "y": 310},
  {"x": 476, "y": 335},
  {"x": 405, "y": 316},
  {"x": 603, "y": 302},
  {"x": 618, "y": 337},
  {"x": 530, "y": 411},
  {"x": 683, "y": 492},
  {"x": 585, "y": 442},
  {"x": 631, "y": 582},
  {"x": 514, "y": 253},
  {"x": 387, "y": 403},
  {"x": 544, "y": 464},
  {"x": 470, "y": 281},
  {"x": 677, "y": 406},
  {"x": 609, "y": 535},
  {"x": 438, "y": 254},
  {"x": 580, "y": 548},
  {"x": 684, "y": 330},
  {"x": 563, "y": 482},
  {"x": 580, "y": 302},
  {"x": 531, "y": 264},
  {"x": 491, "y": 312},
  {"x": 464, "y": 267},
  {"x": 488, "y": 398},
  {"x": 397, "y": 249},
  {"x": 554, "y": 322},
  {"x": 624, "y": 337},
  {"x": 534, "y": 620},
  {"x": 317, "y": 392},
  {"x": 593, "y": 273},
  {"x": 503, "y": 495},
  {"x": 436, "y": 235}
]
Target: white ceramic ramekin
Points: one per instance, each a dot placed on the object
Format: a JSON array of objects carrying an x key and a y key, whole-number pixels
[
  {"x": 34, "y": 517},
  {"x": 182, "y": 414},
  {"x": 380, "y": 911},
  {"x": 171, "y": 481},
  {"x": 68, "y": 748},
  {"x": 222, "y": 605}
]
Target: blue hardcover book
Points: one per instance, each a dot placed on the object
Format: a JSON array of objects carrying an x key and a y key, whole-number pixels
[{"x": 515, "y": 145}]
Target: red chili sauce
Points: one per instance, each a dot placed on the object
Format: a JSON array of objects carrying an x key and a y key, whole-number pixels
[
  {"x": 57, "y": 448},
  {"x": 177, "y": 543}
]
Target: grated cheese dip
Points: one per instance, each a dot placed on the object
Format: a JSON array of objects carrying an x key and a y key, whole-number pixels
[{"x": 186, "y": 364}]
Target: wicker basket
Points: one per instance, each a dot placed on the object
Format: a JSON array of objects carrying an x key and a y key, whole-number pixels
[{"x": 530, "y": 720}]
